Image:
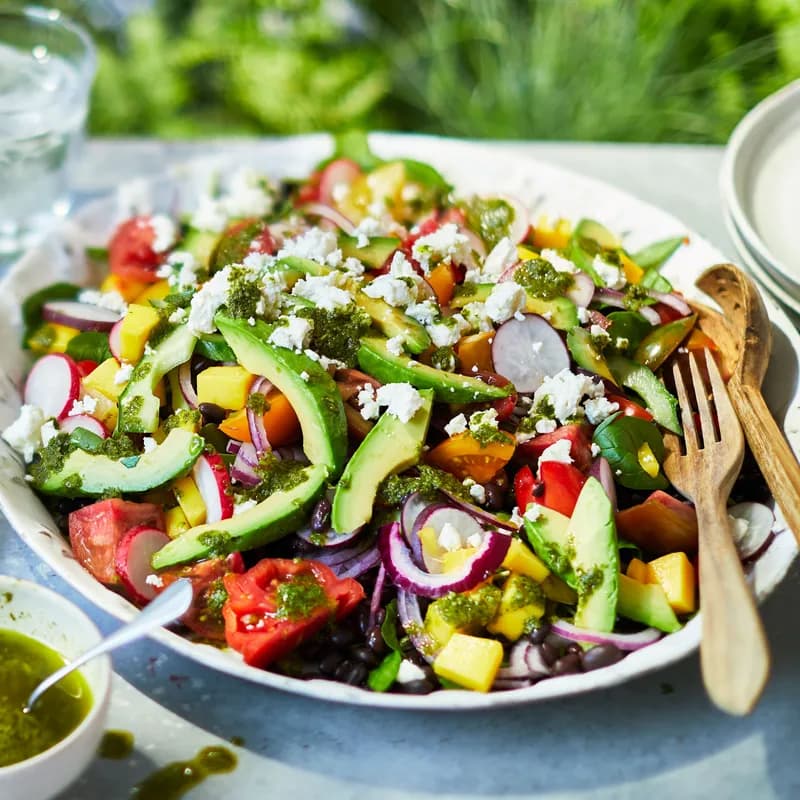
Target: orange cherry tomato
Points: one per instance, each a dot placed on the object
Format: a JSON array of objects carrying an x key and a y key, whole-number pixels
[{"x": 465, "y": 457}]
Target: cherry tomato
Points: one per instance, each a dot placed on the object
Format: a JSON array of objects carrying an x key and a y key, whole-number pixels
[
  {"x": 628, "y": 407},
  {"x": 580, "y": 440},
  {"x": 260, "y": 630},
  {"x": 85, "y": 367},
  {"x": 524, "y": 484},
  {"x": 465, "y": 457},
  {"x": 562, "y": 485},
  {"x": 667, "y": 313},
  {"x": 130, "y": 251},
  {"x": 505, "y": 405}
]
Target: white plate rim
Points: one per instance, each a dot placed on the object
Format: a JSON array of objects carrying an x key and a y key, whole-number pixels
[{"x": 36, "y": 528}]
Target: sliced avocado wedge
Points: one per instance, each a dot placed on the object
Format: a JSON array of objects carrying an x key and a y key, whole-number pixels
[
  {"x": 560, "y": 312},
  {"x": 660, "y": 402},
  {"x": 448, "y": 387},
  {"x": 595, "y": 232},
  {"x": 374, "y": 254},
  {"x": 88, "y": 475},
  {"x": 201, "y": 244},
  {"x": 586, "y": 354},
  {"x": 138, "y": 405},
  {"x": 391, "y": 446},
  {"x": 548, "y": 537},
  {"x": 646, "y": 603},
  {"x": 316, "y": 401},
  {"x": 265, "y": 522},
  {"x": 391, "y": 322}
]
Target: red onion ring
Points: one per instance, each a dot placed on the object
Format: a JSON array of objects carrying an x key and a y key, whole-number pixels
[
  {"x": 375, "y": 602},
  {"x": 672, "y": 300},
  {"x": 255, "y": 422},
  {"x": 185, "y": 382},
  {"x": 615, "y": 298},
  {"x": 330, "y": 214},
  {"x": 624, "y": 641},
  {"x": 411, "y": 619},
  {"x": 358, "y": 566},
  {"x": 601, "y": 470}
]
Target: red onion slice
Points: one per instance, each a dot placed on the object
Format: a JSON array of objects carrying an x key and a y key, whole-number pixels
[
  {"x": 616, "y": 299},
  {"x": 242, "y": 471},
  {"x": 357, "y": 567},
  {"x": 411, "y": 619},
  {"x": 255, "y": 421},
  {"x": 232, "y": 448},
  {"x": 624, "y": 641},
  {"x": 327, "y": 538},
  {"x": 672, "y": 300},
  {"x": 330, "y": 214},
  {"x": 332, "y": 557},
  {"x": 412, "y": 507},
  {"x": 405, "y": 574},
  {"x": 483, "y": 516},
  {"x": 436, "y": 516},
  {"x": 83, "y": 316},
  {"x": 185, "y": 382},
  {"x": 375, "y": 602},
  {"x": 601, "y": 470},
  {"x": 340, "y": 171}
]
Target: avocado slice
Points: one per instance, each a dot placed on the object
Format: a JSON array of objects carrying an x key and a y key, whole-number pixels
[
  {"x": 393, "y": 322},
  {"x": 374, "y": 254},
  {"x": 265, "y": 522},
  {"x": 448, "y": 387},
  {"x": 595, "y": 232},
  {"x": 586, "y": 354},
  {"x": 138, "y": 405},
  {"x": 548, "y": 537},
  {"x": 316, "y": 401},
  {"x": 560, "y": 312},
  {"x": 391, "y": 446},
  {"x": 86, "y": 474},
  {"x": 646, "y": 603},
  {"x": 201, "y": 244},
  {"x": 638, "y": 378}
]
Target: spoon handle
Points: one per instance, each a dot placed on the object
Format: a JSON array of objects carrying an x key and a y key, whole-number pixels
[
  {"x": 772, "y": 453},
  {"x": 166, "y": 607}
]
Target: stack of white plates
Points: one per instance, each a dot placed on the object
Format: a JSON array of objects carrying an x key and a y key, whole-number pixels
[{"x": 760, "y": 185}]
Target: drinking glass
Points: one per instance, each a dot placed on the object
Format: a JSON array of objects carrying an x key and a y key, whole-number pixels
[{"x": 47, "y": 63}]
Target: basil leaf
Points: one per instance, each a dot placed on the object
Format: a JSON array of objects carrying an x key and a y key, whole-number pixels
[
  {"x": 86, "y": 440},
  {"x": 628, "y": 325},
  {"x": 389, "y": 626},
  {"x": 619, "y": 439},
  {"x": 89, "y": 346},
  {"x": 655, "y": 255},
  {"x": 385, "y": 674},
  {"x": 32, "y": 307},
  {"x": 214, "y": 348}
]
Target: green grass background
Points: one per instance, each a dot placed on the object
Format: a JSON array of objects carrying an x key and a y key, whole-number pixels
[{"x": 653, "y": 70}]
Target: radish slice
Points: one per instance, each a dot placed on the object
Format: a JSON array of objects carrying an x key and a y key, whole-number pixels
[
  {"x": 184, "y": 381},
  {"x": 405, "y": 574},
  {"x": 83, "y": 316},
  {"x": 114, "y": 343},
  {"x": 528, "y": 350},
  {"x": 624, "y": 641},
  {"x": 411, "y": 619},
  {"x": 521, "y": 223},
  {"x": 616, "y": 299},
  {"x": 601, "y": 470},
  {"x": 53, "y": 385},
  {"x": 753, "y": 528},
  {"x": 132, "y": 562},
  {"x": 331, "y": 214},
  {"x": 211, "y": 476},
  {"x": 89, "y": 423},
  {"x": 582, "y": 291},
  {"x": 340, "y": 172}
]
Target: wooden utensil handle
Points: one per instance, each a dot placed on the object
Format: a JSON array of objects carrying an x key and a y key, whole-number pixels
[
  {"x": 734, "y": 653},
  {"x": 772, "y": 452}
]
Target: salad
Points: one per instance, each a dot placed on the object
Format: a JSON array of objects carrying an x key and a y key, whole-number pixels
[{"x": 396, "y": 437}]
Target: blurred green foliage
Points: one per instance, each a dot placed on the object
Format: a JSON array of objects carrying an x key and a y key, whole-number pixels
[{"x": 626, "y": 70}]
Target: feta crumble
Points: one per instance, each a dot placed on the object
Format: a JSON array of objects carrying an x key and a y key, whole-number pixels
[
  {"x": 425, "y": 312},
  {"x": 86, "y": 405},
  {"x": 445, "y": 244},
  {"x": 323, "y": 291},
  {"x": 149, "y": 444},
  {"x": 315, "y": 244},
  {"x": 154, "y": 580},
  {"x": 113, "y": 300},
  {"x": 395, "y": 345},
  {"x": 449, "y": 538},
  {"x": 557, "y": 261},
  {"x": 408, "y": 672},
  {"x": 123, "y": 374},
  {"x": 294, "y": 335},
  {"x": 457, "y": 424},
  {"x": 208, "y": 300},
  {"x": 48, "y": 432},
  {"x": 164, "y": 233},
  {"x": 24, "y": 434},
  {"x": 476, "y": 540},
  {"x": 477, "y": 493},
  {"x": 558, "y": 451},
  {"x": 402, "y": 400},
  {"x": 613, "y": 277},
  {"x": 599, "y": 408},
  {"x": 504, "y": 301},
  {"x": 503, "y": 256},
  {"x": 448, "y": 330},
  {"x": 564, "y": 391}
]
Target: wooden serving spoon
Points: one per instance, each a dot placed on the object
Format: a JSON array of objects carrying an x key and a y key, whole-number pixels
[{"x": 744, "y": 336}]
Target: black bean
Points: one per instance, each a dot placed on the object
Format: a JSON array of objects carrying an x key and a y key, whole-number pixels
[
  {"x": 567, "y": 665},
  {"x": 538, "y": 635},
  {"x": 375, "y": 640},
  {"x": 365, "y": 654},
  {"x": 312, "y": 649},
  {"x": 574, "y": 647},
  {"x": 380, "y": 615},
  {"x": 343, "y": 637},
  {"x": 415, "y": 657},
  {"x": 357, "y": 675},
  {"x": 416, "y": 687},
  {"x": 308, "y": 670},
  {"x": 558, "y": 642},
  {"x": 549, "y": 653},
  {"x": 602, "y": 655},
  {"x": 330, "y": 662},
  {"x": 495, "y": 497},
  {"x": 320, "y": 516},
  {"x": 212, "y": 412},
  {"x": 362, "y": 617}
]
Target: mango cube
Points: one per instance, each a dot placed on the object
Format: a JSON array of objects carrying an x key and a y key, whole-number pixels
[
  {"x": 675, "y": 573},
  {"x": 469, "y": 661},
  {"x": 226, "y": 387},
  {"x": 105, "y": 410},
  {"x": 190, "y": 500},
  {"x": 175, "y": 522},
  {"x": 129, "y": 289},
  {"x": 637, "y": 570},
  {"x": 102, "y": 379},
  {"x": 438, "y": 629},
  {"x": 137, "y": 325},
  {"x": 521, "y": 604},
  {"x": 51, "y": 338},
  {"x": 453, "y": 560},
  {"x": 155, "y": 291},
  {"x": 522, "y": 560}
]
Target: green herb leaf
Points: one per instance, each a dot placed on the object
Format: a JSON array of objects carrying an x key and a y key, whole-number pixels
[
  {"x": 619, "y": 439},
  {"x": 32, "y": 307},
  {"x": 630, "y": 325},
  {"x": 354, "y": 144},
  {"x": 214, "y": 348},
  {"x": 655, "y": 255},
  {"x": 99, "y": 254},
  {"x": 89, "y": 346},
  {"x": 384, "y": 675},
  {"x": 389, "y": 626}
]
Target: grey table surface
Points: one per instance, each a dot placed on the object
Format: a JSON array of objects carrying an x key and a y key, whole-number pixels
[{"x": 655, "y": 737}]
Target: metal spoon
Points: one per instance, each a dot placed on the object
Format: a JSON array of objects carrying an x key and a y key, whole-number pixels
[
  {"x": 744, "y": 336},
  {"x": 172, "y": 603}
]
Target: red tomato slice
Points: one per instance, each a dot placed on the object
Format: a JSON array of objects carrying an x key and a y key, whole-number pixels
[
  {"x": 666, "y": 313},
  {"x": 130, "y": 251},
  {"x": 253, "y": 625},
  {"x": 524, "y": 483},
  {"x": 562, "y": 485},
  {"x": 628, "y": 407},
  {"x": 580, "y": 439},
  {"x": 85, "y": 367},
  {"x": 505, "y": 405}
]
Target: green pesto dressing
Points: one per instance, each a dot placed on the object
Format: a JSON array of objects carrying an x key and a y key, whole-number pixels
[
  {"x": 24, "y": 663},
  {"x": 174, "y": 780},
  {"x": 299, "y": 597},
  {"x": 541, "y": 279},
  {"x": 116, "y": 745},
  {"x": 337, "y": 333},
  {"x": 490, "y": 218},
  {"x": 430, "y": 480},
  {"x": 470, "y": 609},
  {"x": 278, "y": 475}
]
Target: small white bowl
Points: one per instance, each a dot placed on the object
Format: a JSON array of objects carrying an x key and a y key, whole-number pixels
[{"x": 43, "y": 615}]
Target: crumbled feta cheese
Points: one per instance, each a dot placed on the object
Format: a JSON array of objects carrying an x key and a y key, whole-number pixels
[
  {"x": 557, "y": 261},
  {"x": 123, "y": 374},
  {"x": 598, "y": 408},
  {"x": 154, "y": 580},
  {"x": 368, "y": 403},
  {"x": 424, "y": 313},
  {"x": 395, "y": 345},
  {"x": 395, "y": 291},
  {"x": 483, "y": 419},
  {"x": 48, "y": 432},
  {"x": 545, "y": 425},
  {"x": 595, "y": 450},
  {"x": 180, "y": 269},
  {"x": 401, "y": 399},
  {"x": 477, "y": 493},
  {"x": 558, "y": 451},
  {"x": 478, "y": 318},
  {"x": 456, "y": 425},
  {"x": 621, "y": 342},
  {"x": 209, "y": 215},
  {"x": 208, "y": 300},
  {"x": 516, "y": 518},
  {"x": 244, "y": 505},
  {"x": 369, "y": 226},
  {"x": 178, "y": 316},
  {"x": 448, "y": 331},
  {"x": 259, "y": 262},
  {"x": 408, "y": 672},
  {"x": 583, "y": 315},
  {"x": 445, "y": 244},
  {"x": 149, "y": 444},
  {"x": 449, "y": 538},
  {"x": 323, "y": 291},
  {"x": 532, "y": 512},
  {"x": 340, "y": 191},
  {"x": 353, "y": 266},
  {"x": 24, "y": 434},
  {"x": 112, "y": 300},
  {"x": 565, "y": 390},
  {"x": 294, "y": 335},
  {"x": 251, "y": 321},
  {"x": 86, "y": 405},
  {"x": 164, "y": 232},
  {"x": 315, "y": 244},
  {"x": 305, "y": 376},
  {"x": 503, "y": 256},
  {"x": 505, "y": 300},
  {"x": 476, "y": 540},
  {"x": 613, "y": 277},
  {"x": 247, "y": 195},
  {"x": 599, "y": 333}
]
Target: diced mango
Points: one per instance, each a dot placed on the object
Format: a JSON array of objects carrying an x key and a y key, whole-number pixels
[
  {"x": 431, "y": 548},
  {"x": 175, "y": 522},
  {"x": 155, "y": 291},
  {"x": 101, "y": 379},
  {"x": 226, "y": 387},
  {"x": 453, "y": 560},
  {"x": 675, "y": 573},
  {"x": 553, "y": 236},
  {"x": 525, "y": 253},
  {"x": 475, "y": 352},
  {"x": 637, "y": 570},
  {"x": 105, "y": 410},
  {"x": 129, "y": 289},
  {"x": 521, "y": 605},
  {"x": 137, "y": 325},
  {"x": 51, "y": 338},
  {"x": 438, "y": 629},
  {"x": 190, "y": 500},
  {"x": 469, "y": 661},
  {"x": 633, "y": 272},
  {"x": 522, "y": 560}
]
